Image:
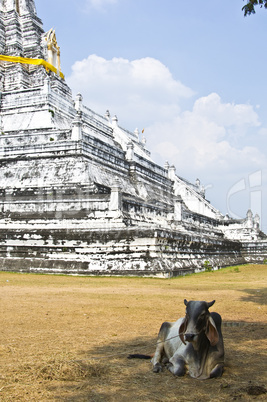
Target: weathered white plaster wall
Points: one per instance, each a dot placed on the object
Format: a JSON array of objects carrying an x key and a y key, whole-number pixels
[{"x": 80, "y": 194}]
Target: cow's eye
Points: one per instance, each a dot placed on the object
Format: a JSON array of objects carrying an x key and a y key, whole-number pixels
[{"x": 201, "y": 317}]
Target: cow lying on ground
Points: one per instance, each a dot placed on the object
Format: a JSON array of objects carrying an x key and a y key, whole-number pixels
[{"x": 194, "y": 343}]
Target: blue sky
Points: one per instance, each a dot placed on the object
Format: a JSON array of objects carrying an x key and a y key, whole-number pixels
[{"x": 190, "y": 73}]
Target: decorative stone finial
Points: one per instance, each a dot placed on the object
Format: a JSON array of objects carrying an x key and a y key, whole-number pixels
[
  {"x": 116, "y": 183},
  {"x": 171, "y": 172},
  {"x": 78, "y": 102},
  {"x": 257, "y": 218},
  {"x": 53, "y": 50},
  {"x": 249, "y": 219},
  {"x": 143, "y": 141},
  {"x": 166, "y": 165},
  {"x": 136, "y": 132},
  {"x": 257, "y": 222},
  {"x": 202, "y": 191},
  {"x": 107, "y": 115},
  {"x": 115, "y": 121},
  {"x": 249, "y": 214}
]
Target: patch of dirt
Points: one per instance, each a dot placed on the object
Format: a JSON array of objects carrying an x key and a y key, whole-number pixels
[
  {"x": 255, "y": 390},
  {"x": 67, "y": 338}
]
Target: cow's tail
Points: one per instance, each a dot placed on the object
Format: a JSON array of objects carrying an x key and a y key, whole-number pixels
[{"x": 139, "y": 356}]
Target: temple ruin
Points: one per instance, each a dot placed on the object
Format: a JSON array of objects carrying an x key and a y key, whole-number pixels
[{"x": 82, "y": 195}]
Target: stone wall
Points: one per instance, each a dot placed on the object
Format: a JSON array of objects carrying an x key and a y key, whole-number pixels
[
  {"x": 255, "y": 252},
  {"x": 81, "y": 195},
  {"x": 111, "y": 251}
]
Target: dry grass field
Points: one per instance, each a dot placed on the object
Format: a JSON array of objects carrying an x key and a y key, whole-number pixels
[{"x": 67, "y": 338}]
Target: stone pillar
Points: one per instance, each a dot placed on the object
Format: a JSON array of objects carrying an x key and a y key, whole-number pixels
[
  {"x": 115, "y": 202},
  {"x": 257, "y": 222},
  {"x": 249, "y": 219},
  {"x": 50, "y": 53},
  {"x": 172, "y": 172},
  {"x": 177, "y": 209},
  {"x": 166, "y": 165},
  {"x": 76, "y": 134},
  {"x": 107, "y": 116},
  {"x": 58, "y": 59},
  {"x": 136, "y": 133},
  {"x": 114, "y": 121},
  {"x": 77, "y": 122},
  {"x": 78, "y": 102},
  {"x": 203, "y": 192},
  {"x": 143, "y": 141},
  {"x": 47, "y": 86},
  {"x": 130, "y": 151}
]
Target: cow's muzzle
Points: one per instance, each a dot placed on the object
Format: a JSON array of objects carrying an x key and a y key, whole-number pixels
[{"x": 189, "y": 337}]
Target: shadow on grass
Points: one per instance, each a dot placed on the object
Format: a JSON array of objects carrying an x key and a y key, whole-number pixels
[
  {"x": 121, "y": 379},
  {"x": 258, "y": 296}
]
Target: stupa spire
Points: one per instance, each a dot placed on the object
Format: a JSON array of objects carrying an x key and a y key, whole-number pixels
[
  {"x": 24, "y": 46},
  {"x": 21, "y": 29},
  {"x": 20, "y": 6}
]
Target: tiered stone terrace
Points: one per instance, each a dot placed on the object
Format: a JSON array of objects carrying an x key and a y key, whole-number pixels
[{"x": 82, "y": 195}]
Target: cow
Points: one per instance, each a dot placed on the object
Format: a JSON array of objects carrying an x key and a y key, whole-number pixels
[{"x": 193, "y": 343}]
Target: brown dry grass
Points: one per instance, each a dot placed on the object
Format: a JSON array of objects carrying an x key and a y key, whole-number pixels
[{"x": 67, "y": 338}]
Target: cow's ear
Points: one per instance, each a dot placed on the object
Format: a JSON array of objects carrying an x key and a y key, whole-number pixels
[
  {"x": 185, "y": 302},
  {"x": 182, "y": 330},
  {"x": 211, "y": 332}
]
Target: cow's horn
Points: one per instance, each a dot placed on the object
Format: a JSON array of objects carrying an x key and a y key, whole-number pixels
[{"x": 210, "y": 303}]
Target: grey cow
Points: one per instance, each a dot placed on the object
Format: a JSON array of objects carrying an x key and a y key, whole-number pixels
[{"x": 193, "y": 343}]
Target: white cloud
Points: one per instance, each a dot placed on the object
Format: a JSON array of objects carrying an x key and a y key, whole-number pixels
[
  {"x": 141, "y": 90},
  {"x": 212, "y": 138},
  {"x": 227, "y": 114},
  {"x": 202, "y": 139}
]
